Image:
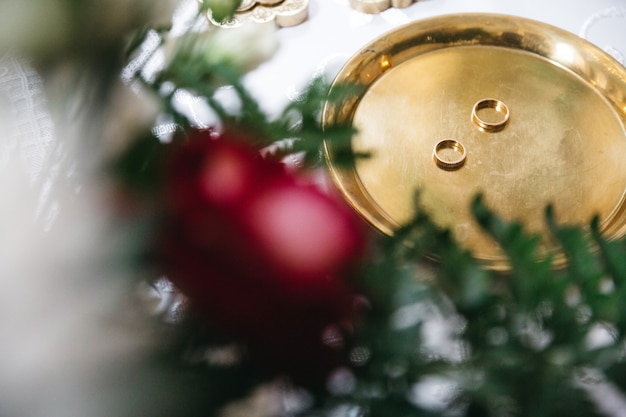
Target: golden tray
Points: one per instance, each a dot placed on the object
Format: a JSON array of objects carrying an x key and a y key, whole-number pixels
[{"x": 564, "y": 143}]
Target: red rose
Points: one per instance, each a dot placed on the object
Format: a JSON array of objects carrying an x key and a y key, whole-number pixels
[{"x": 260, "y": 256}]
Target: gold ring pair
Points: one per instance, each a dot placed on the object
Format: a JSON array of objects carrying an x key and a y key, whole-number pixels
[{"x": 450, "y": 154}]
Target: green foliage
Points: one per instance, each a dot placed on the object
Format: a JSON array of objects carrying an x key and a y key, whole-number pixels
[
  {"x": 140, "y": 166},
  {"x": 523, "y": 340},
  {"x": 300, "y": 121}
]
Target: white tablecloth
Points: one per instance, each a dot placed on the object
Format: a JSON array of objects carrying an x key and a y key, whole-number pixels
[{"x": 334, "y": 32}]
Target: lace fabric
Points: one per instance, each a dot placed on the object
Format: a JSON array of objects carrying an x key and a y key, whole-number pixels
[{"x": 25, "y": 123}]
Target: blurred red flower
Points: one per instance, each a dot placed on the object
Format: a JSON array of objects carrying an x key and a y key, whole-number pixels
[{"x": 261, "y": 256}]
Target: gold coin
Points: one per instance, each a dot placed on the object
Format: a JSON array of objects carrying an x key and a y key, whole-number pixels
[
  {"x": 370, "y": 6},
  {"x": 246, "y": 5},
  {"x": 292, "y": 12},
  {"x": 401, "y": 3},
  {"x": 285, "y": 13}
]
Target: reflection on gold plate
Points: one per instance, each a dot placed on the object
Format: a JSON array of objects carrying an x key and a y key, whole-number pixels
[{"x": 540, "y": 113}]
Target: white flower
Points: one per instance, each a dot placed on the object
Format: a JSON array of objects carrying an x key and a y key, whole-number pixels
[
  {"x": 128, "y": 114},
  {"x": 245, "y": 47},
  {"x": 69, "y": 338},
  {"x": 62, "y": 315}
]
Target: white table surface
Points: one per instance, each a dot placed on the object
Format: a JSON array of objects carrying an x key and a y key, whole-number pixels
[{"x": 334, "y": 32}]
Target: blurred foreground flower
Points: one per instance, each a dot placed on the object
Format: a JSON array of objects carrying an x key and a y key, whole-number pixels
[
  {"x": 69, "y": 335},
  {"x": 262, "y": 257},
  {"x": 53, "y": 30},
  {"x": 243, "y": 48}
]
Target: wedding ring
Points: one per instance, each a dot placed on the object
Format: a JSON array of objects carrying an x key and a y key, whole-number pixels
[
  {"x": 449, "y": 154},
  {"x": 499, "y": 121}
]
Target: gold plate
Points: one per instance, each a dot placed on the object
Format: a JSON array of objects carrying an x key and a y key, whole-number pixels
[{"x": 560, "y": 138}]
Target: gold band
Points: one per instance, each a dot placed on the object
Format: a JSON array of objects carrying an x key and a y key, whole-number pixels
[
  {"x": 449, "y": 154},
  {"x": 498, "y": 106}
]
